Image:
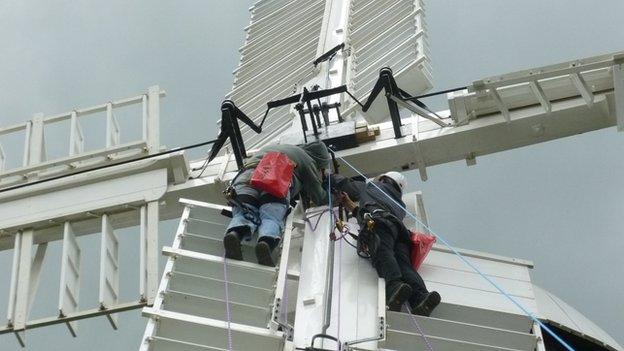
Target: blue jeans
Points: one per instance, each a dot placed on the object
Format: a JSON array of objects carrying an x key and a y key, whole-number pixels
[
  {"x": 267, "y": 218},
  {"x": 271, "y": 216}
]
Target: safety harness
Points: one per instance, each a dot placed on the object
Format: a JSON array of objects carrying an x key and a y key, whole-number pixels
[
  {"x": 368, "y": 240},
  {"x": 233, "y": 199},
  {"x": 247, "y": 203}
]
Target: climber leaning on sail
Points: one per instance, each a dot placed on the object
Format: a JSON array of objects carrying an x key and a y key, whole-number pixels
[
  {"x": 386, "y": 239},
  {"x": 264, "y": 208}
]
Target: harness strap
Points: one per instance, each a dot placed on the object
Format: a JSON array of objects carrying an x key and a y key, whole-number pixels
[
  {"x": 266, "y": 198},
  {"x": 244, "y": 202}
]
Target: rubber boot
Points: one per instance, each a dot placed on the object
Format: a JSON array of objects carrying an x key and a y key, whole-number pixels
[
  {"x": 397, "y": 292},
  {"x": 264, "y": 249},
  {"x": 426, "y": 306},
  {"x": 232, "y": 245}
]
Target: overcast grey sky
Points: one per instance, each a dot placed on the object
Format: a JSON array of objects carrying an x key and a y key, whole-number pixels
[{"x": 558, "y": 203}]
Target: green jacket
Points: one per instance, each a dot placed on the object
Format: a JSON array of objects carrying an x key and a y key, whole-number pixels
[{"x": 308, "y": 159}]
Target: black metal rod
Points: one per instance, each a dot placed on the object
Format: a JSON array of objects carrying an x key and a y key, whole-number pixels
[
  {"x": 314, "y": 127},
  {"x": 329, "y": 54},
  {"x": 337, "y": 107},
  {"x": 305, "y": 98},
  {"x": 327, "y": 107},
  {"x": 433, "y": 94},
  {"x": 321, "y": 111},
  {"x": 240, "y": 115},
  {"x": 377, "y": 88},
  {"x": 395, "y": 116},
  {"x": 266, "y": 114},
  {"x": 228, "y": 118},
  {"x": 230, "y": 129},
  {"x": 389, "y": 86},
  {"x": 317, "y": 114},
  {"x": 302, "y": 113},
  {"x": 311, "y": 95},
  {"x": 304, "y": 124},
  {"x": 325, "y": 112},
  {"x": 356, "y": 100}
]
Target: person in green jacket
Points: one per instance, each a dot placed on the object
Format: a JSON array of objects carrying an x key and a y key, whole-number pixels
[{"x": 253, "y": 209}]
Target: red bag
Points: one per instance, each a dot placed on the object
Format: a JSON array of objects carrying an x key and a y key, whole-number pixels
[
  {"x": 273, "y": 174},
  {"x": 421, "y": 245}
]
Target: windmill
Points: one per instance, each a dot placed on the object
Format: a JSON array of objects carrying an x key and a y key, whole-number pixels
[{"x": 353, "y": 73}]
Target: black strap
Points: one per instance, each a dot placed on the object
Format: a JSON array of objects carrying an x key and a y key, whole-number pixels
[{"x": 266, "y": 198}]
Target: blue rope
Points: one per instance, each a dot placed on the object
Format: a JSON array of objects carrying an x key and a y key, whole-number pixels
[{"x": 470, "y": 264}]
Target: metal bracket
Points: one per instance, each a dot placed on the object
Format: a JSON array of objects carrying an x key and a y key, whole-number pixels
[
  {"x": 471, "y": 159},
  {"x": 21, "y": 277},
  {"x": 69, "y": 291},
  {"x": 328, "y": 55},
  {"x": 421, "y": 212},
  {"x": 230, "y": 129},
  {"x": 381, "y": 315},
  {"x": 419, "y": 111},
  {"x": 420, "y": 160},
  {"x": 224, "y": 165},
  {"x": 581, "y": 85},
  {"x": 500, "y": 104},
  {"x": 541, "y": 96},
  {"x": 149, "y": 218},
  {"x": 304, "y": 99},
  {"x": 395, "y": 96},
  {"x": 109, "y": 270},
  {"x": 282, "y": 284}
]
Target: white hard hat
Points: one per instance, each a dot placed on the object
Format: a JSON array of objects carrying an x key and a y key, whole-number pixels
[{"x": 396, "y": 176}]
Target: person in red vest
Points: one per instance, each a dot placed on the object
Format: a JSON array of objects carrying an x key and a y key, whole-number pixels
[{"x": 256, "y": 210}]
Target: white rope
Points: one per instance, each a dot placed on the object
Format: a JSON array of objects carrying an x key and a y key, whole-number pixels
[{"x": 227, "y": 304}]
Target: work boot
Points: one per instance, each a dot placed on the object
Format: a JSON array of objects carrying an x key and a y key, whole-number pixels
[
  {"x": 426, "y": 306},
  {"x": 264, "y": 248},
  {"x": 232, "y": 245},
  {"x": 397, "y": 293}
]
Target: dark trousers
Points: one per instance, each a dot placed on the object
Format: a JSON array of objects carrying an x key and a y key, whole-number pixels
[{"x": 392, "y": 258}]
